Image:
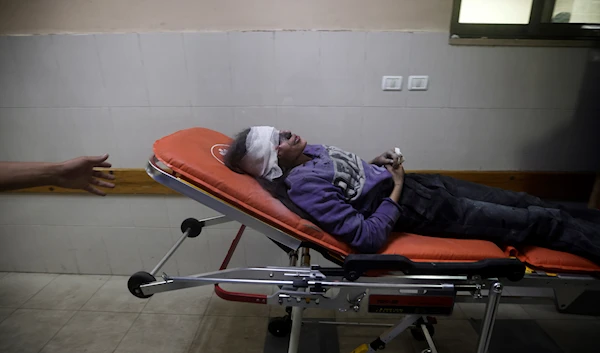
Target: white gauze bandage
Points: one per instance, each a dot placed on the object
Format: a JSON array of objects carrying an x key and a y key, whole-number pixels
[{"x": 261, "y": 153}]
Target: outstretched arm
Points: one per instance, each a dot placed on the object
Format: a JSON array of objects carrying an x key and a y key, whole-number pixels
[{"x": 76, "y": 173}]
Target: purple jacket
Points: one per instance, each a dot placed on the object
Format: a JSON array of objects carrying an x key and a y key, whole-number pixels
[{"x": 346, "y": 196}]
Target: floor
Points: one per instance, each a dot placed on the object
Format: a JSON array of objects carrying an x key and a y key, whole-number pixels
[{"x": 72, "y": 313}]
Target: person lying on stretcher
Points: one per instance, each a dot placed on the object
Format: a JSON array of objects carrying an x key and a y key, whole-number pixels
[{"x": 363, "y": 202}]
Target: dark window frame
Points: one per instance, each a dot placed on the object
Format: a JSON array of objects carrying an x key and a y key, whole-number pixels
[{"x": 539, "y": 26}]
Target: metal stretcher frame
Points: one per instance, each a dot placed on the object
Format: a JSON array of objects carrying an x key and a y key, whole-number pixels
[{"x": 303, "y": 285}]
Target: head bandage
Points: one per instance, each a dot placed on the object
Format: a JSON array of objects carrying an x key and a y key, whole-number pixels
[{"x": 261, "y": 153}]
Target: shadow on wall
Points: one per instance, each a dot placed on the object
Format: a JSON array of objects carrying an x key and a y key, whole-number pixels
[{"x": 573, "y": 145}]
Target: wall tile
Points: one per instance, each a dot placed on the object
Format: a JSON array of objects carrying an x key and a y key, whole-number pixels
[
  {"x": 149, "y": 124},
  {"x": 380, "y": 131},
  {"x": 431, "y": 139},
  {"x": 557, "y": 75},
  {"x": 12, "y": 209},
  {"x": 11, "y": 85},
  {"x": 84, "y": 131},
  {"x": 56, "y": 250},
  {"x": 80, "y": 74},
  {"x": 252, "y": 67},
  {"x": 429, "y": 55},
  {"x": 7, "y": 239},
  {"x": 78, "y": 210},
  {"x": 208, "y": 62},
  {"x": 219, "y": 242},
  {"x": 245, "y": 117},
  {"x": 220, "y": 119},
  {"x": 122, "y": 69},
  {"x": 25, "y": 253},
  {"x": 90, "y": 250},
  {"x": 500, "y": 77},
  {"x": 297, "y": 57},
  {"x": 259, "y": 250},
  {"x": 449, "y": 139},
  {"x": 476, "y": 139},
  {"x": 387, "y": 54},
  {"x": 36, "y": 61},
  {"x": 556, "y": 140},
  {"x": 19, "y": 250},
  {"x": 122, "y": 250},
  {"x": 149, "y": 211},
  {"x": 193, "y": 256},
  {"x": 476, "y": 75},
  {"x": 342, "y": 68},
  {"x": 20, "y": 126},
  {"x": 181, "y": 208},
  {"x": 165, "y": 69},
  {"x": 336, "y": 126},
  {"x": 59, "y": 134}
]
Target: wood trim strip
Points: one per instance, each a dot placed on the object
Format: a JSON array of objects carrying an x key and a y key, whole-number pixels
[{"x": 568, "y": 186}]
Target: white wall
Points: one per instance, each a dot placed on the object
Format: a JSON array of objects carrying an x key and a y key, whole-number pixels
[
  {"x": 109, "y": 16},
  {"x": 491, "y": 108}
]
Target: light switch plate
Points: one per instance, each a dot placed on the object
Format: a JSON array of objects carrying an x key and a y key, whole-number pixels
[
  {"x": 418, "y": 83},
  {"x": 391, "y": 83}
]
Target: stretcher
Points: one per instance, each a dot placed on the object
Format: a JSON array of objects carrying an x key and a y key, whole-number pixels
[{"x": 420, "y": 277}]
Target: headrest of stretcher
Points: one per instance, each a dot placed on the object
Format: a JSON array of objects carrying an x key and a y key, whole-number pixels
[{"x": 197, "y": 154}]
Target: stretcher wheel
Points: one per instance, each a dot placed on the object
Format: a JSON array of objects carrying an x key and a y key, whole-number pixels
[
  {"x": 138, "y": 279},
  {"x": 194, "y": 225},
  {"x": 280, "y": 326},
  {"x": 418, "y": 333}
]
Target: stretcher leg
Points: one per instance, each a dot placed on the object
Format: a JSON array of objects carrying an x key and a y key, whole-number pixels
[
  {"x": 429, "y": 340},
  {"x": 491, "y": 310},
  {"x": 296, "y": 326},
  {"x": 190, "y": 228},
  {"x": 170, "y": 253},
  {"x": 296, "y": 312},
  {"x": 380, "y": 342}
]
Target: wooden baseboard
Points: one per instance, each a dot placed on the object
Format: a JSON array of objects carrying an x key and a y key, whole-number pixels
[{"x": 568, "y": 186}]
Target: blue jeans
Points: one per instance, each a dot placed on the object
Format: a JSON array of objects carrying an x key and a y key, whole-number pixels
[{"x": 438, "y": 205}]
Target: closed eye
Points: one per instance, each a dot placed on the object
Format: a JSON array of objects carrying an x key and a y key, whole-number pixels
[{"x": 284, "y": 136}]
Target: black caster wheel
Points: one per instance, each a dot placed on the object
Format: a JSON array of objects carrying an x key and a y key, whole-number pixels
[
  {"x": 280, "y": 326},
  {"x": 194, "y": 225},
  {"x": 418, "y": 334},
  {"x": 138, "y": 279}
]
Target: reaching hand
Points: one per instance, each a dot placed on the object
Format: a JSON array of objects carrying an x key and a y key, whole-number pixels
[
  {"x": 388, "y": 158},
  {"x": 79, "y": 173},
  {"x": 397, "y": 173}
]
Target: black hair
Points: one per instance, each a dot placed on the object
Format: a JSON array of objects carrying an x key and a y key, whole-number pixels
[{"x": 237, "y": 151}]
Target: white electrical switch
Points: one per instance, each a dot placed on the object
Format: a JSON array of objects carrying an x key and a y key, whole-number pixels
[
  {"x": 418, "y": 83},
  {"x": 391, "y": 83}
]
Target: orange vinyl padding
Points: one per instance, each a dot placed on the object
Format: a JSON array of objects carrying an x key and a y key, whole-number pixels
[{"x": 197, "y": 155}]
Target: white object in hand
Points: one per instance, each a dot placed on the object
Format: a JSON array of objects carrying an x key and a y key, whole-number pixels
[{"x": 397, "y": 151}]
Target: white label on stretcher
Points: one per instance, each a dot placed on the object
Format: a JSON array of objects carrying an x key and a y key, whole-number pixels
[{"x": 219, "y": 151}]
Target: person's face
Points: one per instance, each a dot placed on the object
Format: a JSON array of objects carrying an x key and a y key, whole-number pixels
[{"x": 290, "y": 148}]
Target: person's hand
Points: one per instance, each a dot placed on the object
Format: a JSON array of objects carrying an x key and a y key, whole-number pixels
[
  {"x": 388, "y": 158},
  {"x": 397, "y": 174},
  {"x": 79, "y": 173}
]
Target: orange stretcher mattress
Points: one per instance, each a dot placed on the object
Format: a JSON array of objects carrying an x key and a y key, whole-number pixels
[{"x": 196, "y": 154}]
